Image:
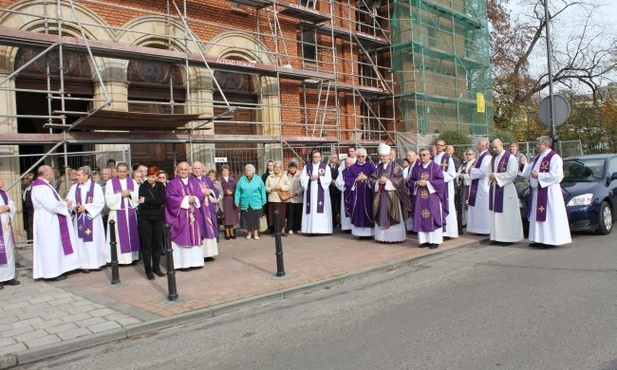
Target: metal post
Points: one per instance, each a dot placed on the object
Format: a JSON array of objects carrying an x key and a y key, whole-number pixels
[
  {"x": 115, "y": 274},
  {"x": 549, "y": 63},
  {"x": 280, "y": 265},
  {"x": 171, "y": 271}
]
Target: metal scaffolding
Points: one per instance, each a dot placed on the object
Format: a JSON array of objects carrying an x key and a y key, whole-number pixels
[{"x": 321, "y": 72}]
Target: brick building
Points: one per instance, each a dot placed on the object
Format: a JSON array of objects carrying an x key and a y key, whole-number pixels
[{"x": 236, "y": 81}]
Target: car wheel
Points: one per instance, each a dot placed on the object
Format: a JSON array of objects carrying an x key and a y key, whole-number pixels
[{"x": 605, "y": 224}]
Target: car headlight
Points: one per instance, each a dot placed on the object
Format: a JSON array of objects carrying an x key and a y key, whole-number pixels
[{"x": 581, "y": 200}]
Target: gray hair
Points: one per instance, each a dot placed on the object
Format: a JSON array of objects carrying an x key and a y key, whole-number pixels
[
  {"x": 361, "y": 151},
  {"x": 86, "y": 170},
  {"x": 483, "y": 141},
  {"x": 250, "y": 166},
  {"x": 545, "y": 140},
  {"x": 277, "y": 163}
]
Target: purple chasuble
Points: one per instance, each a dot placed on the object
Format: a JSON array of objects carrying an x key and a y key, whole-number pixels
[
  {"x": 3, "y": 259},
  {"x": 128, "y": 233},
  {"x": 427, "y": 207},
  {"x": 495, "y": 198},
  {"x": 360, "y": 194},
  {"x": 542, "y": 200},
  {"x": 473, "y": 188},
  {"x": 186, "y": 225},
  {"x": 84, "y": 221},
  {"x": 320, "y": 191},
  {"x": 63, "y": 221},
  {"x": 208, "y": 209}
]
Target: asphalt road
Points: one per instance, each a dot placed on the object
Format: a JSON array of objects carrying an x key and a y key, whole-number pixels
[{"x": 489, "y": 307}]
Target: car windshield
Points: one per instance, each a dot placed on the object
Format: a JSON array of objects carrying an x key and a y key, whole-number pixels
[{"x": 583, "y": 170}]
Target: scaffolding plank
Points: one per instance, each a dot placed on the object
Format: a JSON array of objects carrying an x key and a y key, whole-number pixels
[
  {"x": 347, "y": 87},
  {"x": 368, "y": 40},
  {"x": 252, "y": 3},
  {"x": 301, "y": 12},
  {"x": 15, "y": 37},
  {"x": 130, "y": 138}
]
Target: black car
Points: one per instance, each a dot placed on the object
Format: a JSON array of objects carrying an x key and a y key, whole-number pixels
[{"x": 589, "y": 189}]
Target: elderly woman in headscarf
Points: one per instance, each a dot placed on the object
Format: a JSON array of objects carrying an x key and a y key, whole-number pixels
[{"x": 250, "y": 197}]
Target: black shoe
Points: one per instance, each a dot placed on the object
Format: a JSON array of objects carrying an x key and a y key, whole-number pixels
[
  {"x": 493, "y": 242},
  {"x": 159, "y": 273},
  {"x": 209, "y": 259},
  {"x": 150, "y": 276},
  {"x": 12, "y": 282},
  {"x": 433, "y": 246},
  {"x": 423, "y": 245},
  {"x": 85, "y": 271},
  {"x": 59, "y": 278},
  {"x": 227, "y": 237},
  {"x": 233, "y": 236},
  {"x": 505, "y": 244}
]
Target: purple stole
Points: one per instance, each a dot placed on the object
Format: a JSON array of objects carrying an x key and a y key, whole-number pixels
[
  {"x": 320, "y": 191},
  {"x": 542, "y": 200},
  {"x": 63, "y": 221},
  {"x": 496, "y": 205},
  {"x": 473, "y": 188},
  {"x": 129, "y": 239},
  {"x": 3, "y": 259},
  {"x": 84, "y": 222}
]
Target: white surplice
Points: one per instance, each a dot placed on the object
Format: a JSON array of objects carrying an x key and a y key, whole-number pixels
[
  {"x": 556, "y": 229},
  {"x": 7, "y": 272},
  {"x": 92, "y": 254},
  {"x": 506, "y": 226},
  {"x": 49, "y": 260},
  {"x": 313, "y": 222},
  {"x": 478, "y": 218},
  {"x": 114, "y": 203},
  {"x": 448, "y": 177}
]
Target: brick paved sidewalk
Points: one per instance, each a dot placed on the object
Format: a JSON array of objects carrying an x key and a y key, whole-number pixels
[{"x": 40, "y": 319}]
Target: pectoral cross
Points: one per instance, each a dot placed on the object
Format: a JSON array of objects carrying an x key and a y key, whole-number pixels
[{"x": 426, "y": 213}]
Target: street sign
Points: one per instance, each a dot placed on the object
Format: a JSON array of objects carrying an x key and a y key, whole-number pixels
[{"x": 562, "y": 110}]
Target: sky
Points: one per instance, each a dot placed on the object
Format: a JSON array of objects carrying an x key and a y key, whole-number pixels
[{"x": 602, "y": 21}]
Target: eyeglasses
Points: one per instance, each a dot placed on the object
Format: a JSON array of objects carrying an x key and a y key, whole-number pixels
[{"x": 424, "y": 155}]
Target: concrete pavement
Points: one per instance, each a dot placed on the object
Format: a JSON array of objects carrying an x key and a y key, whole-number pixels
[{"x": 40, "y": 319}]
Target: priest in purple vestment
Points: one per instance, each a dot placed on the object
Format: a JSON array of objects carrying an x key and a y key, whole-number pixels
[
  {"x": 185, "y": 218},
  {"x": 359, "y": 195},
  {"x": 390, "y": 199},
  {"x": 427, "y": 185}
]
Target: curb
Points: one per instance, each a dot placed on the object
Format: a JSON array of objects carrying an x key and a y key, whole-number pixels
[{"x": 64, "y": 347}]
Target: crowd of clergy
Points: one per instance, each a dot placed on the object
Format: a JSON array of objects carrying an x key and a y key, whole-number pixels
[{"x": 381, "y": 200}]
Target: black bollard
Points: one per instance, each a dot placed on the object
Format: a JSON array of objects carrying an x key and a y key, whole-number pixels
[
  {"x": 280, "y": 265},
  {"x": 171, "y": 271},
  {"x": 115, "y": 273}
]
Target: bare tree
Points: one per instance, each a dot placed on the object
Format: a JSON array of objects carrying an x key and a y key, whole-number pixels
[{"x": 584, "y": 53}]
